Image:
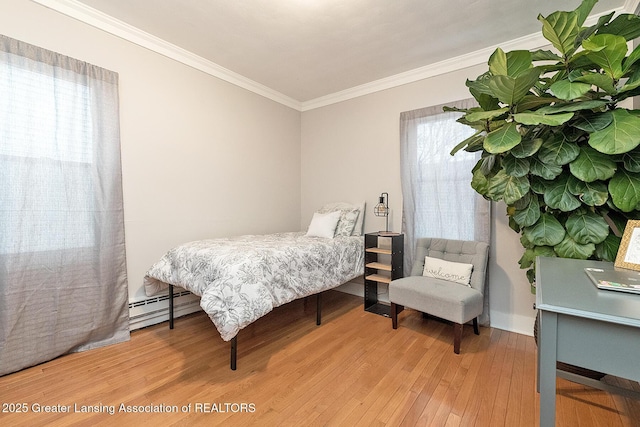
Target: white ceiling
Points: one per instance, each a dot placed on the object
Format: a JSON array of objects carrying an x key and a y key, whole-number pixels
[{"x": 309, "y": 49}]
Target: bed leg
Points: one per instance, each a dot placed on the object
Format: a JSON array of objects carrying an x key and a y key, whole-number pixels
[
  {"x": 170, "y": 306},
  {"x": 319, "y": 308},
  {"x": 234, "y": 352}
]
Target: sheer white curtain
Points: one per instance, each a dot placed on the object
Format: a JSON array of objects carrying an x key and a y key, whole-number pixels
[
  {"x": 63, "y": 284},
  {"x": 438, "y": 200}
]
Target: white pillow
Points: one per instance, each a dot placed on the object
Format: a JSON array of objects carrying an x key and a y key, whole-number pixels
[
  {"x": 323, "y": 225},
  {"x": 347, "y": 222},
  {"x": 358, "y": 228},
  {"x": 447, "y": 270}
]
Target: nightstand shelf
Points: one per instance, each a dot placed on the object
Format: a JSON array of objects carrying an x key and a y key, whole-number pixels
[
  {"x": 378, "y": 278},
  {"x": 382, "y": 265},
  {"x": 379, "y": 266},
  {"x": 379, "y": 251}
]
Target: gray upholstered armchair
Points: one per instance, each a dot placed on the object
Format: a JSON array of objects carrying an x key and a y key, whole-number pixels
[{"x": 439, "y": 296}]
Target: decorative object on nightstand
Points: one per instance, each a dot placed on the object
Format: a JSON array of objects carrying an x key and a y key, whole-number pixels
[
  {"x": 382, "y": 208},
  {"x": 382, "y": 264}
]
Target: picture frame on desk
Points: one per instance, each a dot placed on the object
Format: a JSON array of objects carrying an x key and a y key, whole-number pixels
[{"x": 628, "y": 255}]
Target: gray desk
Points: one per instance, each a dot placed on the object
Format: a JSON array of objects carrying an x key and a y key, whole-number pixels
[{"x": 583, "y": 326}]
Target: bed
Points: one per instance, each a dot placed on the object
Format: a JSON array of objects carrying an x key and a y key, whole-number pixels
[{"x": 240, "y": 279}]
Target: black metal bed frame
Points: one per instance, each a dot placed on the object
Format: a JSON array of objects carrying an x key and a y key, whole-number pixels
[{"x": 234, "y": 340}]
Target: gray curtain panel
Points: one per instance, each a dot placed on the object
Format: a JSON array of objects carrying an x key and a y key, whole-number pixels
[
  {"x": 438, "y": 200},
  {"x": 63, "y": 283}
]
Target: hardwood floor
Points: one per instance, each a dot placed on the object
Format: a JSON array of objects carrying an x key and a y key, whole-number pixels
[{"x": 354, "y": 369}]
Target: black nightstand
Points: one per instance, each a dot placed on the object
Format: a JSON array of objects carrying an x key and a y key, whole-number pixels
[{"x": 381, "y": 265}]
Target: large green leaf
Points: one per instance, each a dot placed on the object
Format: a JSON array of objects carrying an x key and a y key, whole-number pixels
[
  {"x": 485, "y": 115},
  {"x": 594, "y": 122},
  {"x": 515, "y": 167},
  {"x": 592, "y": 165},
  {"x": 471, "y": 144},
  {"x": 479, "y": 86},
  {"x": 538, "y": 185},
  {"x": 608, "y": 249},
  {"x": 618, "y": 220},
  {"x": 487, "y": 163},
  {"x": 479, "y": 182},
  {"x": 583, "y": 10},
  {"x": 544, "y": 55},
  {"x": 511, "y": 63},
  {"x": 512, "y": 224},
  {"x": 590, "y": 193},
  {"x": 547, "y": 231},
  {"x": 624, "y": 188},
  {"x": 498, "y": 63},
  {"x": 569, "y": 248},
  {"x": 580, "y": 61},
  {"x": 632, "y": 83},
  {"x": 558, "y": 151},
  {"x": 574, "y": 135},
  {"x": 519, "y": 204},
  {"x": 607, "y": 51},
  {"x": 559, "y": 196},
  {"x": 628, "y": 94},
  {"x": 530, "y": 254},
  {"x": 526, "y": 148},
  {"x": 528, "y": 215},
  {"x": 603, "y": 81},
  {"x": 531, "y": 102},
  {"x": 502, "y": 139},
  {"x": 561, "y": 28},
  {"x": 544, "y": 170},
  {"x": 508, "y": 188},
  {"x": 566, "y": 90},
  {"x": 585, "y": 33},
  {"x": 587, "y": 227},
  {"x": 626, "y": 25},
  {"x": 631, "y": 160},
  {"x": 510, "y": 90},
  {"x": 486, "y": 101},
  {"x": 573, "y": 106},
  {"x": 525, "y": 242},
  {"x": 633, "y": 57},
  {"x": 537, "y": 118},
  {"x": 622, "y": 134},
  {"x": 515, "y": 188},
  {"x": 519, "y": 62}
]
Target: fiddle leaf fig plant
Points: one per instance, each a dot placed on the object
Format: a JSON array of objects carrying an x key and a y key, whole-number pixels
[{"x": 557, "y": 147}]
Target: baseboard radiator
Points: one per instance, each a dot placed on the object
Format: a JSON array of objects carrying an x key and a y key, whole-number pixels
[{"x": 154, "y": 310}]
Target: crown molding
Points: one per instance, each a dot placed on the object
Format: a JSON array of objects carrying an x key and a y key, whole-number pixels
[
  {"x": 530, "y": 42},
  {"x": 478, "y": 57},
  {"x": 631, "y": 6},
  {"x": 104, "y": 22}
]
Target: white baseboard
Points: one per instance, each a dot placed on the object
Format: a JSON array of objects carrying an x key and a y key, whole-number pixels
[
  {"x": 512, "y": 322},
  {"x": 156, "y": 310},
  {"x": 506, "y": 321}
]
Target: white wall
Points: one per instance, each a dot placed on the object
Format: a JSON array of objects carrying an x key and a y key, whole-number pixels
[
  {"x": 200, "y": 157},
  {"x": 351, "y": 152},
  {"x": 203, "y": 158}
]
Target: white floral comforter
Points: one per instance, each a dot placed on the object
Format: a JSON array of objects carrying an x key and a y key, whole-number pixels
[{"x": 240, "y": 279}]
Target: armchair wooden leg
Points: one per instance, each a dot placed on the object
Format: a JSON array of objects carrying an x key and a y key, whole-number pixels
[
  {"x": 457, "y": 337},
  {"x": 394, "y": 315},
  {"x": 475, "y": 326},
  {"x": 395, "y": 309}
]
